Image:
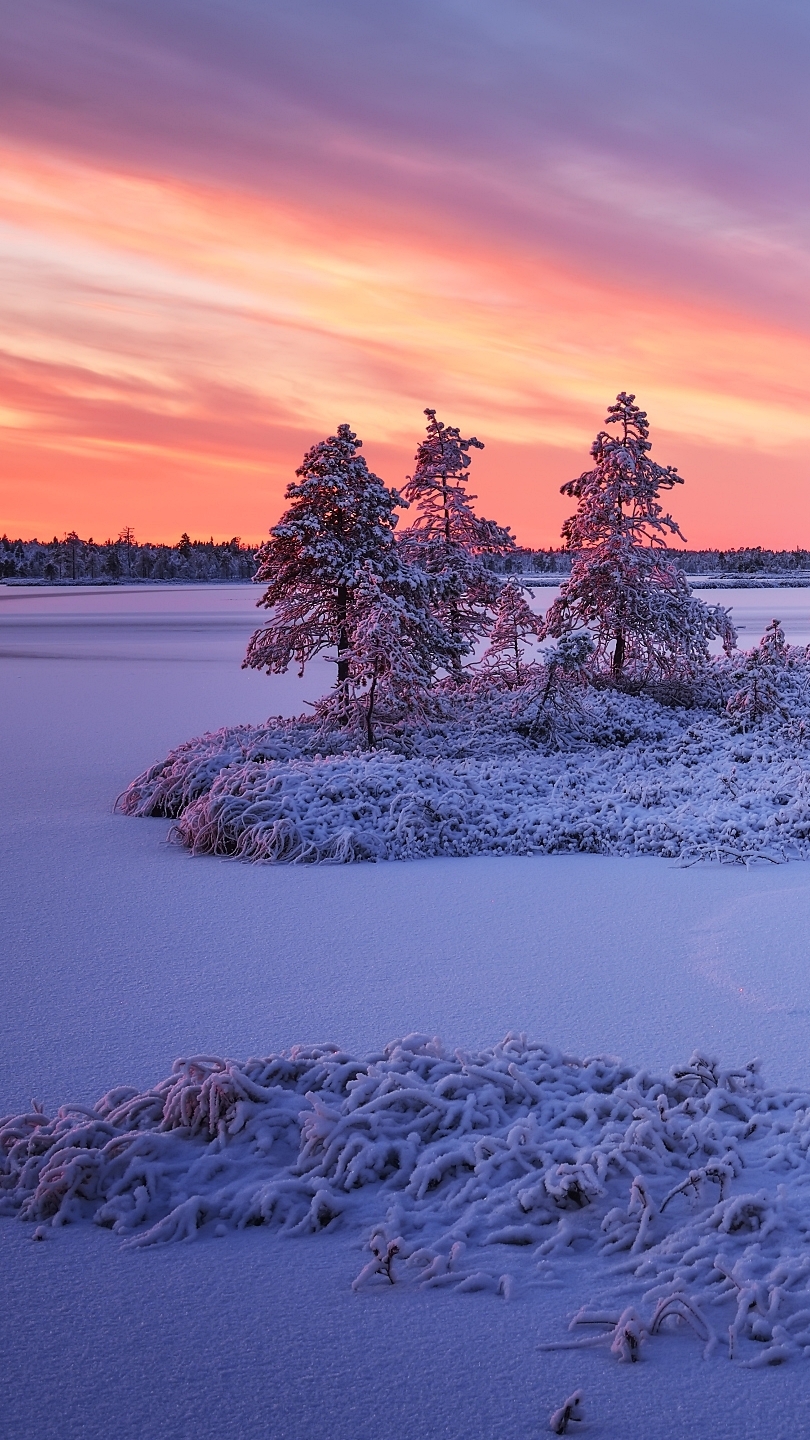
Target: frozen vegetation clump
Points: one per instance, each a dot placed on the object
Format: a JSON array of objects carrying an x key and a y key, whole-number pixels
[
  {"x": 684, "y": 1198},
  {"x": 550, "y": 766},
  {"x": 610, "y": 726}
]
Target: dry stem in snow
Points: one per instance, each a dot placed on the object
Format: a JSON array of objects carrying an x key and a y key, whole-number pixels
[{"x": 569, "y": 1413}]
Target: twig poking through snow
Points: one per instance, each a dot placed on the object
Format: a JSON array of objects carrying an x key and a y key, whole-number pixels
[
  {"x": 681, "y": 1307},
  {"x": 570, "y": 1412},
  {"x": 383, "y": 1251}
]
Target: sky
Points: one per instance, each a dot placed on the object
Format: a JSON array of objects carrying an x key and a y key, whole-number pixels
[{"x": 227, "y": 226}]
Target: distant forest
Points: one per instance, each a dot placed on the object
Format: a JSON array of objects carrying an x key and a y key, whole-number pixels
[
  {"x": 751, "y": 560},
  {"x": 126, "y": 561}
]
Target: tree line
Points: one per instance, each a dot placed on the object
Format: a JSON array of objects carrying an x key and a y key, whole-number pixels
[
  {"x": 73, "y": 560},
  {"x": 746, "y": 560}
]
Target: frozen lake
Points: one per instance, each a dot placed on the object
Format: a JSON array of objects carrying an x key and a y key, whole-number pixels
[
  {"x": 119, "y": 953},
  {"x": 211, "y": 624}
]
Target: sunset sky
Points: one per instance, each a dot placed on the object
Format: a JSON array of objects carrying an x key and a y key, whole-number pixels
[{"x": 228, "y": 225}]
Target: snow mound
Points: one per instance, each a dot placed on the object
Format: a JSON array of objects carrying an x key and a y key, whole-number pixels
[
  {"x": 688, "y": 1193},
  {"x": 638, "y": 777}
]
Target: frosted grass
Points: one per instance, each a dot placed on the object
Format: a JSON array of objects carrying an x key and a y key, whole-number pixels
[{"x": 475, "y": 1172}]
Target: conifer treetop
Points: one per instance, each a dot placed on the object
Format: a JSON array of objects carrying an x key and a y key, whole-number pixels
[
  {"x": 636, "y": 605},
  {"x": 437, "y": 490},
  {"x": 619, "y": 496},
  {"x": 341, "y": 519},
  {"x": 341, "y": 515}
]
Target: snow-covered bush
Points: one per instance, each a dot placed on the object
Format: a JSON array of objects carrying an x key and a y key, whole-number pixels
[
  {"x": 188, "y": 772},
  {"x": 623, "y": 775},
  {"x": 684, "y": 1197},
  {"x": 552, "y": 705},
  {"x": 515, "y": 623},
  {"x": 760, "y": 679}
]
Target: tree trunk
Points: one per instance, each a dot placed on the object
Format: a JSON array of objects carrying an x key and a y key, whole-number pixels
[
  {"x": 372, "y": 693},
  {"x": 455, "y": 633},
  {"x": 343, "y": 637},
  {"x": 618, "y": 654},
  {"x": 342, "y": 652}
]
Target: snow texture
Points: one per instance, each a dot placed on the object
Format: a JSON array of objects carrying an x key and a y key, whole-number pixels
[
  {"x": 619, "y": 775},
  {"x": 476, "y": 1172}
]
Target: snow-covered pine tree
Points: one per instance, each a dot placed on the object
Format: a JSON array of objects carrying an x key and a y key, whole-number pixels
[
  {"x": 774, "y": 646},
  {"x": 339, "y": 527},
  {"x": 448, "y": 540},
  {"x": 550, "y": 704},
  {"x": 759, "y": 679},
  {"x": 515, "y": 623},
  {"x": 395, "y": 644},
  {"x": 637, "y": 605}
]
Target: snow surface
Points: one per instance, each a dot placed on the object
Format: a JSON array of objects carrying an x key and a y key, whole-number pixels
[{"x": 121, "y": 954}]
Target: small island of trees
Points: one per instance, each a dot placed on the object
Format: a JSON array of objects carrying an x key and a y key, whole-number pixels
[{"x": 462, "y": 720}]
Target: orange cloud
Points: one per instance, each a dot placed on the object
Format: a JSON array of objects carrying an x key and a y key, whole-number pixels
[{"x": 172, "y": 347}]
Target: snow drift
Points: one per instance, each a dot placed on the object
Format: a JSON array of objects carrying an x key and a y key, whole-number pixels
[{"x": 689, "y": 1194}]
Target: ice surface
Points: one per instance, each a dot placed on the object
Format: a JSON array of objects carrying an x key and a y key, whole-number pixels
[{"x": 120, "y": 954}]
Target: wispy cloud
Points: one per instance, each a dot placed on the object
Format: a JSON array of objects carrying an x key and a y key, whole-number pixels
[{"x": 219, "y": 240}]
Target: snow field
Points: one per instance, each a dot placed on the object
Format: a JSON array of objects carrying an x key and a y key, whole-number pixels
[{"x": 117, "y": 955}]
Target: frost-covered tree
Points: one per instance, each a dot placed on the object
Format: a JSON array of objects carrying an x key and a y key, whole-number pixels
[
  {"x": 774, "y": 646},
  {"x": 395, "y": 644},
  {"x": 550, "y": 705},
  {"x": 448, "y": 540},
  {"x": 515, "y": 623},
  {"x": 339, "y": 528},
  {"x": 759, "y": 680},
  {"x": 645, "y": 622}
]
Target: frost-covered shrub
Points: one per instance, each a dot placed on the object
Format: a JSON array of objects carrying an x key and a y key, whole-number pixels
[
  {"x": 189, "y": 771},
  {"x": 551, "y": 704},
  {"x": 686, "y": 1196},
  {"x": 504, "y": 661},
  {"x": 554, "y": 765},
  {"x": 761, "y": 679}
]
